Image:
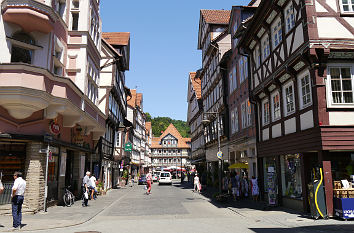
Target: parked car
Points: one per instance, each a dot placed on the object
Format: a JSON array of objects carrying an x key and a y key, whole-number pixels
[
  {"x": 155, "y": 176},
  {"x": 142, "y": 179},
  {"x": 165, "y": 178}
]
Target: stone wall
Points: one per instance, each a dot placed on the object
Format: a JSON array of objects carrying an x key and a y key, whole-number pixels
[{"x": 34, "y": 175}]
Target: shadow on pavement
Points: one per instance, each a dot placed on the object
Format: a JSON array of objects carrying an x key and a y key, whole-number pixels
[{"x": 318, "y": 228}]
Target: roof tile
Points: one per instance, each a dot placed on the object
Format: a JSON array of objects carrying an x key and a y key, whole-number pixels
[
  {"x": 117, "y": 38},
  {"x": 216, "y": 16}
]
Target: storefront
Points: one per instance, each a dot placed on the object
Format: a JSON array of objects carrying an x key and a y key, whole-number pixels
[{"x": 270, "y": 183}]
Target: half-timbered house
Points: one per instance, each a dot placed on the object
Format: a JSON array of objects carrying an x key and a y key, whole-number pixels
[{"x": 302, "y": 63}]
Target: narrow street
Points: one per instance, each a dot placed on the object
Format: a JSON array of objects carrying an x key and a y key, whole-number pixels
[{"x": 171, "y": 209}]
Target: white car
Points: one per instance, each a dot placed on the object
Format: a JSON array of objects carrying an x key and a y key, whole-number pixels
[{"x": 165, "y": 178}]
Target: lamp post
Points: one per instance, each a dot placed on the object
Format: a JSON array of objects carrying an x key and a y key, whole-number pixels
[{"x": 205, "y": 121}]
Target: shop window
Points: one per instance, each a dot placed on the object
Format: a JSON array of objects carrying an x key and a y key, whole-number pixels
[
  {"x": 270, "y": 180},
  {"x": 291, "y": 176},
  {"x": 21, "y": 52}
]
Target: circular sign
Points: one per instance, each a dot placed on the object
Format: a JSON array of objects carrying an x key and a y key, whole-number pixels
[
  {"x": 54, "y": 128},
  {"x": 219, "y": 155}
]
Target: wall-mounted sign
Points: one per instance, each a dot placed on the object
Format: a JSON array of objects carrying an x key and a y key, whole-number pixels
[{"x": 54, "y": 128}]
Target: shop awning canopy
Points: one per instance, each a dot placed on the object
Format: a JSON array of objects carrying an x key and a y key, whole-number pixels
[{"x": 238, "y": 165}]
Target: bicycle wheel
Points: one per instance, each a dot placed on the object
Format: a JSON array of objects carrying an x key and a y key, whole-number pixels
[
  {"x": 67, "y": 200},
  {"x": 72, "y": 198}
]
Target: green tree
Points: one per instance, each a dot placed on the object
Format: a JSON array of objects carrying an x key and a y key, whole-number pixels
[{"x": 160, "y": 124}]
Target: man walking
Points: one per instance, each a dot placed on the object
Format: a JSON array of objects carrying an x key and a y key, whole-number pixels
[
  {"x": 18, "y": 190},
  {"x": 85, "y": 186}
]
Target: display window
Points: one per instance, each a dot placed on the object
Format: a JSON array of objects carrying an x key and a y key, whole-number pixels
[
  {"x": 270, "y": 180},
  {"x": 291, "y": 176}
]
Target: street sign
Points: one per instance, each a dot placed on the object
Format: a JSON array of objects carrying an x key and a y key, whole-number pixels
[
  {"x": 128, "y": 146},
  {"x": 219, "y": 155}
]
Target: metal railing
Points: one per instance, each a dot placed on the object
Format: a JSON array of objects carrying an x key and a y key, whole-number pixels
[{"x": 5, "y": 197}]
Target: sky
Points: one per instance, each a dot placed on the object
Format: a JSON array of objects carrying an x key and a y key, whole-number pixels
[{"x": 163, "y": 47}]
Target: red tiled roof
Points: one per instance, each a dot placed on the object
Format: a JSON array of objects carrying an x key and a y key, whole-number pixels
[
  {"x": 117, "y": 38},
  {"x": 139, "y": 98},
  {"x": 216, "y": 16},
  {"x": 148, "y": 126},
  {"x": 171, "y": 129},
  {"x": 136, "y": 98},
  {"x": 197, "y": 84}
]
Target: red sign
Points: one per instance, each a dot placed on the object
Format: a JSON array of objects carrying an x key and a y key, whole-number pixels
[{"x": 54, "y": 128}]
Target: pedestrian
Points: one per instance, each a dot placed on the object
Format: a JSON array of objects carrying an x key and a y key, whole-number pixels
[
  {"x": 93, "y": 186},
  {"x": 18, "y": 190},
  {"x": 85, "y": 185},
  {"x": 245, "y": 186},
  {"x": 233, "y": 185},
  {"x": 237, "y": 178},
  {"x": 148, "y": 181},
  {"x": 196, "y": 183},
  {"x": 254, "y": 188}
]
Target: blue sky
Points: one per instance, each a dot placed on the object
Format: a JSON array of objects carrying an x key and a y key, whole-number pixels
[{"x": 164, "y": 36}]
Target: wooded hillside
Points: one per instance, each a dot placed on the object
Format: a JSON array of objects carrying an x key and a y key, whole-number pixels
[{"x": 161, "y": 123}]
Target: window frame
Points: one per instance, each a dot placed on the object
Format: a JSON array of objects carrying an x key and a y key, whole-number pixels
[
  {"x": 285, "y": 102},
  {"x": 288, "y": 16},
  {"x": 274, "y": 117},
  {"x": 276, "y": 31},
  {"x": 350, "y": 4},
  {"x": 265, "y": 119},
  {"x": 301, "y": 76},
  {"x": 265, "y": 53},
  {"x": 329, "y": 96}
]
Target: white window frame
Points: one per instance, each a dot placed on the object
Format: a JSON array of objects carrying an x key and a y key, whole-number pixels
[
  {"x": 236, "y": 119},
  {"x": 233, "y": 121},
  {"x": 248, "y": 113},
  {"x": 350, "y": 5},
  {"x": 277, "y": 36},
  {"x": 276, "y": 115},
  {"x": 244, "y": 114},
  {"x": 300, "y": 77},
  {"x": 285, "y": 98},
  {"x": 289, "y": 17},
  {"x": 265, "y": 47},
  {"x": 257, "y": 56},
  {"x": 329, "y": 98},
  {"x": 265, "y": 117}
]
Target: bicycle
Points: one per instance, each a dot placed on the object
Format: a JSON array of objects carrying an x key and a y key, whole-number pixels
[{"x": 68, "y": 197}]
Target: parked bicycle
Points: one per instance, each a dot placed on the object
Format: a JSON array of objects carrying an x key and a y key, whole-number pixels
[{"x": 68, "y": 197}]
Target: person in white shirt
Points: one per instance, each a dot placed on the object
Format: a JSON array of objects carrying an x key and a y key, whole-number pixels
[
  {"x": 93, "y": 186},
  {"x": 196, "y": 183},
  {"x": 18, "y": 190}
]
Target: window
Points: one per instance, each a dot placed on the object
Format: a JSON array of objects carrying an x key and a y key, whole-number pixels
[
  {"x": 289, "y": 101},
  {"x": 243, "y": 68},
  {"x": 257, "y": 56},
  {"x": 291, "y": 176},
  {"x": 243, "y": 115},
  {"x": 249, "y": 113},
  {"x": 75, "y": 21},
  {"x": 304, "y": 84},
  {"x": 289, "y": 17},
  {"x": 265, "y": 111},
  {"x": 76, "y": 4},
  {"x": 265, "y": 47},
  {"x": 275, "y": 106},
  {"x": 347, "y": 5},
  {"x": 341, "y": 85},
  {"x": 233, "y": 122},
  {"x": 277, "y": 33},
  {"x": 22, "y": 53}
]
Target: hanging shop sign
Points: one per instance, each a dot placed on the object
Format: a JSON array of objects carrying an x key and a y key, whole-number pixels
[{"x": 54, "y": 128}]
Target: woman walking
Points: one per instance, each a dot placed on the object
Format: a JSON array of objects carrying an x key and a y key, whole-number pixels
[
  {"x": 148, "y": 181},
  {"x": 196, "y": 183},
  {"x": 254, "y": 188}
]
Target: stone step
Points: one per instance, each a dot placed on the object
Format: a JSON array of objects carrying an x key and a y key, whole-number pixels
[{"x": 7, "y": 210}]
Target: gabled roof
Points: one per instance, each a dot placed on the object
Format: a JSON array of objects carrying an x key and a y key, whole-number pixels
[
  {"x": 117, "y": 38},
  {"x": 171, "y": 129},
  {"x": 216, "y": 16},
  {"x": 197, "y": 84},
  {"x": 148, "y": 127},
  {"x": 136, "y": 99}
]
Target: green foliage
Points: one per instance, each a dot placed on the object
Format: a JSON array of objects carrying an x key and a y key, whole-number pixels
[{"x": 161, "y": 123}]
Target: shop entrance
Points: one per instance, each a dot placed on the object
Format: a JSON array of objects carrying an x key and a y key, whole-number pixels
[
  {"x": 12, "y": 158},
  {"x": 69, "y": 181}
]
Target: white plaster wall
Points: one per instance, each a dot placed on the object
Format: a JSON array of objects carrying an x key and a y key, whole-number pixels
[
  {"x": 341, "y": 118},
  {"x": 41, "y": 56},
  {"x": 306, "y": 120},
  {"x": 265, "y": 134},
  {"x": 130, "y": 114},
  {"x": 319, "y": 7},
  {"x": 350, "y": 20},
  {"x": 101, "y": 94},
  {"x": 105, "y": 79},
  {"x": 298, "y": 40},
  {"x": 81, "y": 62},
  {"x": 332, "y": 4},
  {"x": 326, "y": 25},
  {"x": 290, "y": 126},
  {"x": 5, "y": 45},
  {"x": 276, "y": 130}
]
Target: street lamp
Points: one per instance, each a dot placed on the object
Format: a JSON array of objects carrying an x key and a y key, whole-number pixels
[{"x": 206, "y": 121}]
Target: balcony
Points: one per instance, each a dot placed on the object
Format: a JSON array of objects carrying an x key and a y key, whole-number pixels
[{"x": 30, "y": 15}]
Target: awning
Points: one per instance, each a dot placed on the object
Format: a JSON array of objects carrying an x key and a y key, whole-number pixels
[{"x": 238, "y": 165}]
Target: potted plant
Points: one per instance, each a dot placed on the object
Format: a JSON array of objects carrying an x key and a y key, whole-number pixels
[{"x": 99, "y": 188}]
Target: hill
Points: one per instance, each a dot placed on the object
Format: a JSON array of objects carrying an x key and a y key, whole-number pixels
[{"x": 159, "y": 124}]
